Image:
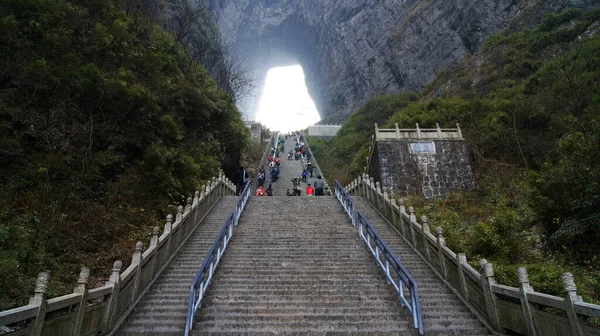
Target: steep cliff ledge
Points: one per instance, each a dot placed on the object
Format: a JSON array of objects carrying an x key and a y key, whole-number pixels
[{"x": 354, "y": 50}]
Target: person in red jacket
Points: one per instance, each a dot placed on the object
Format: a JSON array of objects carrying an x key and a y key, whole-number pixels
[
  {"x": 309, "y": 190},
  {"x": 260, "y": 191}
]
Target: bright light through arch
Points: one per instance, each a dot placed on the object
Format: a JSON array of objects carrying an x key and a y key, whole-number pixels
[{"x": 285, "y": 104}]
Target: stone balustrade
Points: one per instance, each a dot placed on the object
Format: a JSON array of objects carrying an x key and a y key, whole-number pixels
[
  {"x": 98, "y": 310},
  {"x": 518, "y": 310},
  {"x": 437, "y": 133}
]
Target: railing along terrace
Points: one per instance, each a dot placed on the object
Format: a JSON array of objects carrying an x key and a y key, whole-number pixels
[
  {"x": 398, "y": 276},
  {"x": 101, "y": 310},
  {"x": 419, "y": 133},
  {"x": 519, "y": 310},
  {"x": 204, "y": 275}
]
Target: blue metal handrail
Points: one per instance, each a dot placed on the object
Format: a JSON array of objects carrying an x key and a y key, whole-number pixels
[
  {"x": 403, "y": 278},
  {"x": 207, "y": 269},
  {"x": 346, "y": 201},
  {"x": 392, "y": 266}
]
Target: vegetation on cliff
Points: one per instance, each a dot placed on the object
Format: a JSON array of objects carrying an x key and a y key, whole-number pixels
[
  {"x": 529, "y": 103},
  {"x": 106, "y": 124}
]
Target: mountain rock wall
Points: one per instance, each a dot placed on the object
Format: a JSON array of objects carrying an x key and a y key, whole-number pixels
[{"x": 354, "y": 50}]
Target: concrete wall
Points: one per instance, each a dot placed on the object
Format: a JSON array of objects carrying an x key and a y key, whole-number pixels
[
  {"x": 433, "y": 168},
  {"x": 323, "y": 130}
]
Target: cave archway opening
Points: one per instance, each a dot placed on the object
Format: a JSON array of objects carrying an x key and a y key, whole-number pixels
[{"x": 285, "y": 104}]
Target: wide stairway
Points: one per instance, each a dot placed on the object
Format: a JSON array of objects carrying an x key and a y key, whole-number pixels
[
  {"x": 296, "y": 265},
  {"x": 163, "y": 308}
]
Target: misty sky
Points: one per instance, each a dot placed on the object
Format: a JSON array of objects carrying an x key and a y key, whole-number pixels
[{"x": 285, "y": 104}]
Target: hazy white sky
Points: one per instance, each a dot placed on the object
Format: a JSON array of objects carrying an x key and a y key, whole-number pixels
[{"x": 285, "y": 105}]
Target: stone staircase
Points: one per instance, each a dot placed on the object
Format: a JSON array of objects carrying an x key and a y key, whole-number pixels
[
  {"x": 443, "y": 312},
  {"x": 163, "y": 308},
  {"x": 296, "y": 265}
]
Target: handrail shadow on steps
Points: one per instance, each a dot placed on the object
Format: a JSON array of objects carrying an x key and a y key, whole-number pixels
[
  {"x": 206, "y": 271},
  {"x": 397, "y": 276}
]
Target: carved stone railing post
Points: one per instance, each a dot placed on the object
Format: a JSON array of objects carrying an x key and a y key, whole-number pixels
[
  {"x": 386, "y": 206},
  {"x": 39, "y": 299},
  {"x": 190, "y": 222},
  {"x": 81, "y": 288},
  {"x": 111, "y": 306},
  {"x": 196, "y": 198},
  {"x": 425, "y": 231},
  {"x": 487, "y": 280},
  {"x": 371, "y": 190},
  {"x": 402, "y": 210},
  {"x": 378, "y": 198},
  {"x": 202, "y": 199},
  {"x": 377, "y": 190},
  {"x": 412, "y": 218},
  {"x": 179, "y": 215},
  {"x": 393, "y": 207},
  {"x": 571, "y": 298},
  {"x": 188, "y": 205},
  {"x": 209, "y": 195},
  {"x": 461, "y": 259},
  {"x": 168, "y": 228},
  {"x": 441, "y": 242},
  {"x": 524, "y": 289},
  {"x": 154, "y": 243},
  {"x": 136, "y": 259}
]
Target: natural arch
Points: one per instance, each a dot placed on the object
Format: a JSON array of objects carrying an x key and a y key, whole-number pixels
[{"x": 352, "y": 51}]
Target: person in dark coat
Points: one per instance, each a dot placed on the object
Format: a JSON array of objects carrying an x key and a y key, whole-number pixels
[{"x": 240, "y": 180}]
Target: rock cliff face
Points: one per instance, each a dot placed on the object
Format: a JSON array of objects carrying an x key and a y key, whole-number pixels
[{"x": 354, "y": 50}]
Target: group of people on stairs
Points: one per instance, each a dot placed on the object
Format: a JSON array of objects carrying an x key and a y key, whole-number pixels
[
  {"x": 303, "y": 153},
  {"x": 274, "y": 163}
]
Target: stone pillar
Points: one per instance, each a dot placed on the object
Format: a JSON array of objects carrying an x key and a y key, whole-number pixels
[
  {"x": 179, "y": 215},
  {"x": 439, "y": 130},
  {"x": 196, "y": 198},
  {"x": 571, "y": 298},
  {"x": 81, "y": 288},
  {"x": 188, "y": 205},
  {"x": 459, "y": 131},
  {"x": 412, "y": 218},
  {"x": 379, "y": 197},
  {"x": 461, "y": 259},
  {"x": 393, "y": 212},
  {"x": 373, "y": 192},
  {"x": 39, "y": 299},
  {"x": 402, "y": 211},
  {"x": 397, "y": 131},
  {"x": 487, "y": 281},
  {"x": 424, "y": 232},
  {"x": 418, "y": 131},
  {"x": 376, "y": 131},
  {"x": 441, "y": 242},
  {"x": 524, "y": 289},
  {"x": 202, "y": 200},
  {"x": 137, "y": 260},
  {"x": 168, "y": 228},
  {"x": 154, "y": 244},
  {"x": 111, "y": 306}
]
